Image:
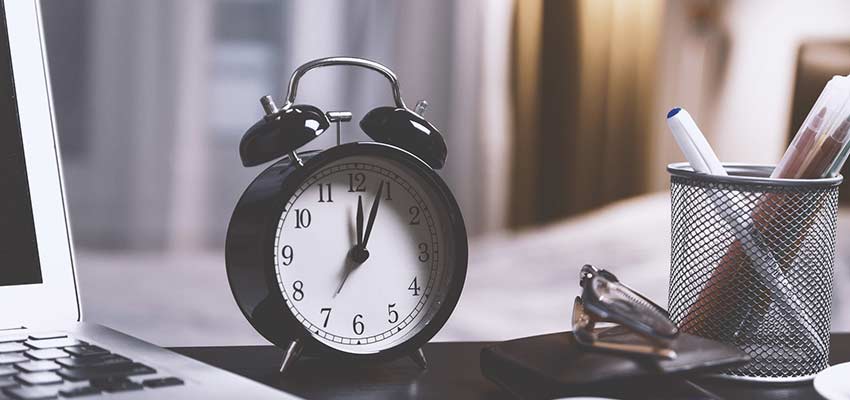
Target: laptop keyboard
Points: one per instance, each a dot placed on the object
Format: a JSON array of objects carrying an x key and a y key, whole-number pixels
[{"x": 54, "y": 365}]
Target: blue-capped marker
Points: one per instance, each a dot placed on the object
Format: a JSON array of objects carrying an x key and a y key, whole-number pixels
[{"x": 693, "y": 144}]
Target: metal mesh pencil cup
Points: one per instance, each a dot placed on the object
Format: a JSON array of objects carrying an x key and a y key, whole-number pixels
[{"x": 752, "y": 265}]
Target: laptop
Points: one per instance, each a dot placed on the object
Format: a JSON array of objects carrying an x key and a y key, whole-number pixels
[{"x": 46, "y": 351}]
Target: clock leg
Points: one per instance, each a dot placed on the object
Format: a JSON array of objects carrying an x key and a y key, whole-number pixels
[
  {"x": 293, "y": 352},
  {"x": 419, "y": 358}
]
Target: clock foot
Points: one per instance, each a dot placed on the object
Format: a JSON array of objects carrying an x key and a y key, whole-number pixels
[
  {"x": 293, "y": 352},
  {"x": 419, "y": 358}
]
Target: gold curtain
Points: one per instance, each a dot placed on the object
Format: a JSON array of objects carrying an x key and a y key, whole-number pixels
[{"x": 583, "y": 76}]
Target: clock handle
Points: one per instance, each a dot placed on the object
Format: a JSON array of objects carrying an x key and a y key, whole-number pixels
[
  {"x": 352, "y": 61},
  {"x": 293, "y": 353}
]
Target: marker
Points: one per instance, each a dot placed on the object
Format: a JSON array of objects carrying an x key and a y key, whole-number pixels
[
  {"x": 693, "y": 143},
  {"x": 825, "y": 156},
  {"x": 791, "y": 164},
  {"x": 835, "y": 169}
]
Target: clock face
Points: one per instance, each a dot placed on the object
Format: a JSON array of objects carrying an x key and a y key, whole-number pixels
[{"x": 363, "y": 287}]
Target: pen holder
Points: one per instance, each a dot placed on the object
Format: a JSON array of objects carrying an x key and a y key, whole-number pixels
[{"x": 752, "y": 265}]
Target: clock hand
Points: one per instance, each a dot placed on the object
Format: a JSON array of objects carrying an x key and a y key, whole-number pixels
[
  {"x": 358, "y": 254},
  {"x": 372, "y": 214},
  {"x": 359, "y": 220},
  {"x": 350, "y": 265}
]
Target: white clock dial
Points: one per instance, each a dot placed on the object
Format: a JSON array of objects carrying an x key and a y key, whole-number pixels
[{"x": 362, "y": 307}]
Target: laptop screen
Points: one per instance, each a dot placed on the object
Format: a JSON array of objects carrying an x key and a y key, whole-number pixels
[{"x": 19, "y": 261}]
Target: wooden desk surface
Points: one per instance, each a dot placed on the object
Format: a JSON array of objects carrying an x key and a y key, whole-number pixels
[{"x": 453, "y": 373}]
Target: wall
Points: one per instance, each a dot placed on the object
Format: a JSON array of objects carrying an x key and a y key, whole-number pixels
[{"x": 735, "y": 73}]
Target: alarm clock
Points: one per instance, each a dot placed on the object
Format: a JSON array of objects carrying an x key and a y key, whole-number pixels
[{"x": 357, "y": 252}]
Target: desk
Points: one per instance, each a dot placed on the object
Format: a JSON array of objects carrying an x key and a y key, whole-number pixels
[{"x": 453, "y": 374}]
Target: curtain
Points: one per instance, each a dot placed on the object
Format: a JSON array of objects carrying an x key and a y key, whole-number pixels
[
  {"x": 153, "y": 97},
  {"x": 583, "y": 79}
]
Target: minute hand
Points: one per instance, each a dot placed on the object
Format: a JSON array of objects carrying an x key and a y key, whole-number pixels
[{"x": 372, "y": 213}]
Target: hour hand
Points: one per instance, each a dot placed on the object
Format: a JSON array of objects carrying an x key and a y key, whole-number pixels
[{"x": 359, "y": 221}]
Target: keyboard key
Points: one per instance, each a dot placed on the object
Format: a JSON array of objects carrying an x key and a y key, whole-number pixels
[
  {"x": 86, "y": 350},
  {"x": 11, "y": 347},
  {"x": 47, "y": 335},
  {"x": 94, "y": 361},
  {"x": 31, "y": 392},
  {"x": 19, "y": 337},
  {"x": 46, "y": 354},
  {"x": 162, "y": 382},
  {"x": 109, "y": 381},
  {"x": 39, "y": 378},
  {"x": 53, "y": 343},
  {"x": 8, "y": 381},
  {"x": 38, "y": 366},
  {"x": 116, "y": 384},
  {"x": 7, "y": 370},
  {"x": 88, "y": 373},
  {"x": 79, "y": 391},
  {"x": 12, "y": 358}
]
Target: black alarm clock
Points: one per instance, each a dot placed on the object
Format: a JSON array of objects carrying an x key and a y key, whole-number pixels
[{"x": 357, "y": 252}]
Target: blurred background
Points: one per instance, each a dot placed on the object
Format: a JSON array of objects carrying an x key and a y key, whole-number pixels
[{"x": 553, "y": 112}]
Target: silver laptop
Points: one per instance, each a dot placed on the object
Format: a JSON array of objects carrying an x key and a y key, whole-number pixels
[{"x": 46, "y": 351}]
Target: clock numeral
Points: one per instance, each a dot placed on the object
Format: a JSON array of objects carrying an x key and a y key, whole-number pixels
[
  {"x": 322, "y": 188},
  {"x": 424, "y": 255},
  {"x": 357, "y": 325},
  {"x": 328, "y": 315},
  {"x": 287, "y": 254},
  {"x": 357, "y": 182},
  {"x": 393, "y": 314},
  {"x": 414, "y": 215},
  {"x": 303, "y": 218},
  {"x": 298, "y": 287},
  {"x": 414, "y": 287},
  {"x": 389, "y": 192}
]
